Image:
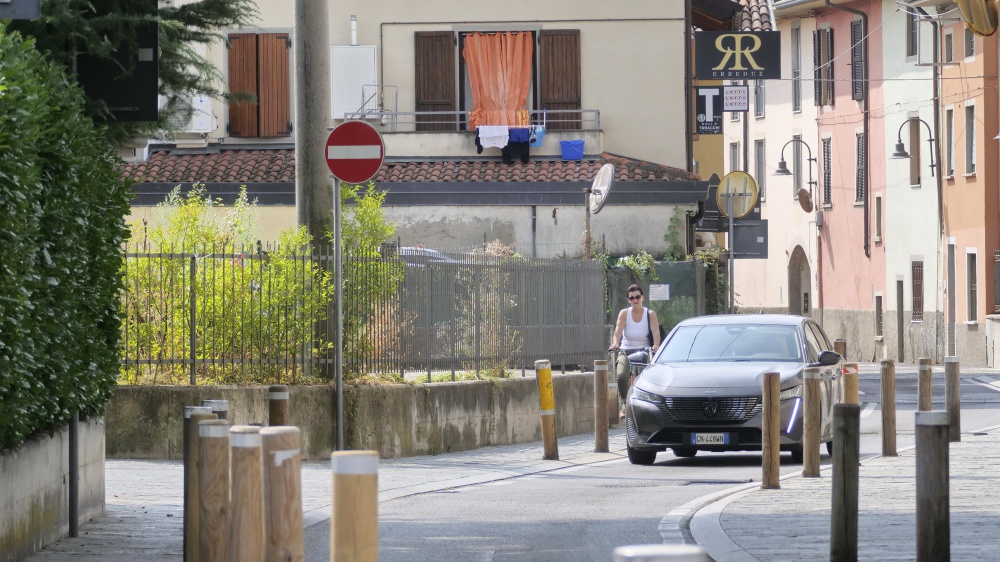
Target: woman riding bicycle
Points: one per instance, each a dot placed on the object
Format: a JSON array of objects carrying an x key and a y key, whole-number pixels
[{"x": 632, "y": 334}]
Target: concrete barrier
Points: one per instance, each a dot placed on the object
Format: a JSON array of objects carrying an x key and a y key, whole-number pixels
[
  {"x": 34, "y": 507},
  {"x": 397, "y": 420}
]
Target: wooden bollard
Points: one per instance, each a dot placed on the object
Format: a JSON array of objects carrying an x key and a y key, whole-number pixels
[
  {"x": 191, "y": 482},
  {"x": 219, "y": 407},
  {"x": 924, "y": 384},
  {"x": 660, "y": 553},
  {"x": 851, "y": 383},
  {"x": 953, "y": 398},
  {"x": 810, "y": 422},
  {"x": 844, "y": 510},
  {"x": 213, "y": 495},
  {"x": 246, "y": 511},
  {"x": 888, "y": 408},
  {"x": 613, "y": 401},
  {"x": 547, "y": 410},
  {"x": 600, "y": 406},
  {"x": 283, "y": 493},
  {"x": 771, "y": 432},
  {"x": 277, "y": 405},
  {"x": 840, "y": 346},
  {"x": 933, "y": 526},
  {"x": 354, "y": 519}
]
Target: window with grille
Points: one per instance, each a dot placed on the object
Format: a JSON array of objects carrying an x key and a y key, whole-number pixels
[
  {"x": 970, "y": 43},
  {"x": 970, "y": 139},
  {"x": 917, "y": 286},
  {"x": 949, "y": 47},
  {"x": 862, "y": 177},
  {"x": 878, "y": 315},
  {"x": 857, "y": 60},
  {"x": 949, "y": 131},
  {"x": 760, "y": 165},
  {"x": 827, "y": 174},
  {"x": 758, "y": 98},
  {"x": 796, "y": 69},
  {"x": 823, "y": 66}
]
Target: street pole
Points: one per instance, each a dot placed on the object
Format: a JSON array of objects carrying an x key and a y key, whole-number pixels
[
  {"x": 729, "y": 209},
  {"x": 586, "y": 224},
  {"x": 338, "y": 297},
  {"x": 311, "y": 54}
]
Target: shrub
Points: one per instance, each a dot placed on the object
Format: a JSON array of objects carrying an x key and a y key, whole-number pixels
[{"x": 63, "y": 206}]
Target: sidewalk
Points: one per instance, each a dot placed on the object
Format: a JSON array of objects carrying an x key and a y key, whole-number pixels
[
  {"x": 793, "y": 523},
  {"x": 145, "y": 501}
]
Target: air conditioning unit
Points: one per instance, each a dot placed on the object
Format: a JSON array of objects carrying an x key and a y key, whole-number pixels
[{"x": 194, "y": 115}]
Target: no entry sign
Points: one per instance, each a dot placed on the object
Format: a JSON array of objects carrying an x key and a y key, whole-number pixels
[{"x": 354, "y": 151}]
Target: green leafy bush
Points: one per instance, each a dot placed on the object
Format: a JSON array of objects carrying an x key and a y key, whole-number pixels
[{"x": 62, "y": 209}]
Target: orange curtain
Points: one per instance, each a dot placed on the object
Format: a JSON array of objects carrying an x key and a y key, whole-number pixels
[{"x": 499, "y": 66}]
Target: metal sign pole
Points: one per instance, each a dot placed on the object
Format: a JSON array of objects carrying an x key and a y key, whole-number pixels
[
  {"x": 586, "y": 238},
  {"x": 338, "y": 297},
  {"x": 729, "y": 209}
]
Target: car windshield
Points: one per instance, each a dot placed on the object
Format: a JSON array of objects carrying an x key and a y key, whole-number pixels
[{"x": 732, "y": 342}]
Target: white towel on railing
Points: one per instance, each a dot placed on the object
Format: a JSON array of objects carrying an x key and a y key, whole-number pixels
[{"x": 495, "y": 136}]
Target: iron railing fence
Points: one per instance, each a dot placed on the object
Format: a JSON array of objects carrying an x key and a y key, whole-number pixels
[{"x": 265, "y": 314}]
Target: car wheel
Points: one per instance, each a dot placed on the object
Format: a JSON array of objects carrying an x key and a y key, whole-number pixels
[
  {"x": 797, "y": 456},
  {"x": 636, "y": 456},
  {"x": 829, "y": 448},
  {"x": 685, "y": 452}
]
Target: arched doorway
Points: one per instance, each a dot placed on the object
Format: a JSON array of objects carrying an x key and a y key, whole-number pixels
[{"x": 799, "y": 284}]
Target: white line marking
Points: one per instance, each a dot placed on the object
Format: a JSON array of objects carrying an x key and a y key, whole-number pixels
[
  {"x": 869, "y": 408},
  {"x": 362, "y": 152}
]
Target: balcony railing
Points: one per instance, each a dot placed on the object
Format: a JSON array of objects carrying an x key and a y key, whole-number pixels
[{"x": 458, "y": 121}]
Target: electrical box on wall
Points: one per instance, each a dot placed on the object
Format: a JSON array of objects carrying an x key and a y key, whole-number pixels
[{"x": 351, "y": 68}]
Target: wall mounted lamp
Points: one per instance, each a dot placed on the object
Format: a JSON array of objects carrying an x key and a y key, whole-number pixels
[
  {"x": 900, "y": 151},
  {"x": 784, "y": 171}
]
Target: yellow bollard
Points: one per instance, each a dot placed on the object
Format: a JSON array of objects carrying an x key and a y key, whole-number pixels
[
  {"x": 547, "y": 409},
  {"x": 600, "y": 406},
  {"x": 851, "y": 383}
]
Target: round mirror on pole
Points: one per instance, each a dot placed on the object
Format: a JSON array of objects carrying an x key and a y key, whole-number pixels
[
  {"x": 980, "y": 15},
  {"x": 601, "y": 187}
]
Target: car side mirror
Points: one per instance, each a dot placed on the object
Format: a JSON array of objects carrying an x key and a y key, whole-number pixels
[{"x": 828, "y": 358}]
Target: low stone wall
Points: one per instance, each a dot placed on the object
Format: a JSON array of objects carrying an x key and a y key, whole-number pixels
[
  {"x": 397, "y": 420},
  {"x": 34, "y": 494}
]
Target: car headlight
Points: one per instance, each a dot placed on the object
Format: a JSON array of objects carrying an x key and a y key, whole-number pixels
[
  {"x": 793, "y": 392},
  {"x": 645, "y": 396}
]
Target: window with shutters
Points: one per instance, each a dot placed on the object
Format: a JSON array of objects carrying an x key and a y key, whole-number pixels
[
  {"x": 912, "y": 34},
  {"x": 914, "y": 153},
  {"x": 760, "y": 165},
  {"x": 260, "y": 82},
  {"x": 796, "y": 166},
  {"x": 970, "y": 139},
  {"x": 917, "y": 287},
  {"x": 878, "y": 218},
  {"x": 823, "y": 62},
  {"x": 796, "y": 69},
  {"x": 857, "y": 60},
  {"x": 758, "y": 98},
  {"x": 949, "y": 47},
  {"x": 556, "y": 84},
  {"x": 861, "y": 181},
  {"x": 827, "y": 172},
  {"x": 949, "y": 133},
  {"x": 971, "y": 287},
  {"x": 878, "y": 315},
  {"x": 734, "y": 156},
  {"x": 970, "y": 43}
]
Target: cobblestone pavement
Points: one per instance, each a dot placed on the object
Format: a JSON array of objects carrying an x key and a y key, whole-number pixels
[{"x": 144, "y": 510}]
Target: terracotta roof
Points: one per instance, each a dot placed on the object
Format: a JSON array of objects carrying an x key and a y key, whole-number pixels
[
  {"x": 755, "y": 16},
  {"x": 278, "y": 165}
]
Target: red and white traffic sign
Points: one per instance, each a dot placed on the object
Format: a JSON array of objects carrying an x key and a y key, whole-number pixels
[{"x": 354, "y": 151}]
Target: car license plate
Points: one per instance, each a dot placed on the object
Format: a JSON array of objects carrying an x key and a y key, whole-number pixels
[{"x": 709, "y": 438}]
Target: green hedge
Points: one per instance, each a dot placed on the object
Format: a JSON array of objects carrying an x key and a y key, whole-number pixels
[{"x": 62, "y": 209}]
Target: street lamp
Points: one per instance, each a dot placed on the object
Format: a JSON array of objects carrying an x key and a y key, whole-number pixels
[
  {"x": 783, "y": 167},
  {"x": 900, "y": 151}
]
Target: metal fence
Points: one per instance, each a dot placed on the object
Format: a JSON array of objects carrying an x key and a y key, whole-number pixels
[{"x": 264, "y": 314}]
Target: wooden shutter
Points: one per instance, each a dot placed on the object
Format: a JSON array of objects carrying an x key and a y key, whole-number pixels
[
  {"x": 243, "y": 80},
  {"x": 559, "y": 76},
  {"x": 273, "y": 85},
  {"x": 829, "y": 66},
  {"x": 434, "y": 79},
  {"x": 857, "y": 61},
  {"x": 817, "y": 71}
]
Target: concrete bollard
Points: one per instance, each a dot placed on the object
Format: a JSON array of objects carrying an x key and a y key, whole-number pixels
[
  {"x": 660, "y": 553},
  {"x": 888, "y": 374},
  {"x": 933, "y": 525},
  {"x": 277, "y": 405},
  {"x": 246, "y": 511},
  {"x": 771, "y": 433},
  {"x": 354, "y": 517},
  {"x": 219, "y": 407},
  {"x": 192, "y": 416},
  {"x": 953, "y": 398},
  {"x": 810, "y": 422},
  {"x": 851, "y": 383},
  {"x": 844, "y": 509},
  {"x": 840, "y": 346},
  {"x": 924, "y": 384},
  {"x": 600, "y": 406},
  {"x": 213, "y": 495},
  {"x": 547, "y": 409},
  {"x": 283, "y": 493}
]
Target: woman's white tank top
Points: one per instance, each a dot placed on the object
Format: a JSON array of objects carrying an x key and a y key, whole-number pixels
[{"x": 636, "y": 333}]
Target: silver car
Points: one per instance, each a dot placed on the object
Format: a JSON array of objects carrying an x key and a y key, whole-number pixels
[{"x": 703, "y": 390}]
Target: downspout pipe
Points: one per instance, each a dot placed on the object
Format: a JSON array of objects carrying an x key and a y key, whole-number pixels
[
  {"x": 688, "y": 86},
  {"x": 867, "y": 119}
]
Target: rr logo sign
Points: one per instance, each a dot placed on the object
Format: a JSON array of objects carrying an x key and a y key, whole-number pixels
[
  {"x": 738, "y": 50},
  {"x": 726, "y": 55}
]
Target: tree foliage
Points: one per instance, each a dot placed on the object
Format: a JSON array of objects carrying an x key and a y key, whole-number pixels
[{"x": 69, "y": 28}]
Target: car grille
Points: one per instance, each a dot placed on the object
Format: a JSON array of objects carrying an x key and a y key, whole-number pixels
[
  {"x": 673, "y": 437},
  {"x": 699, "y": 411},
  {"x": 630, "y": 428}
]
